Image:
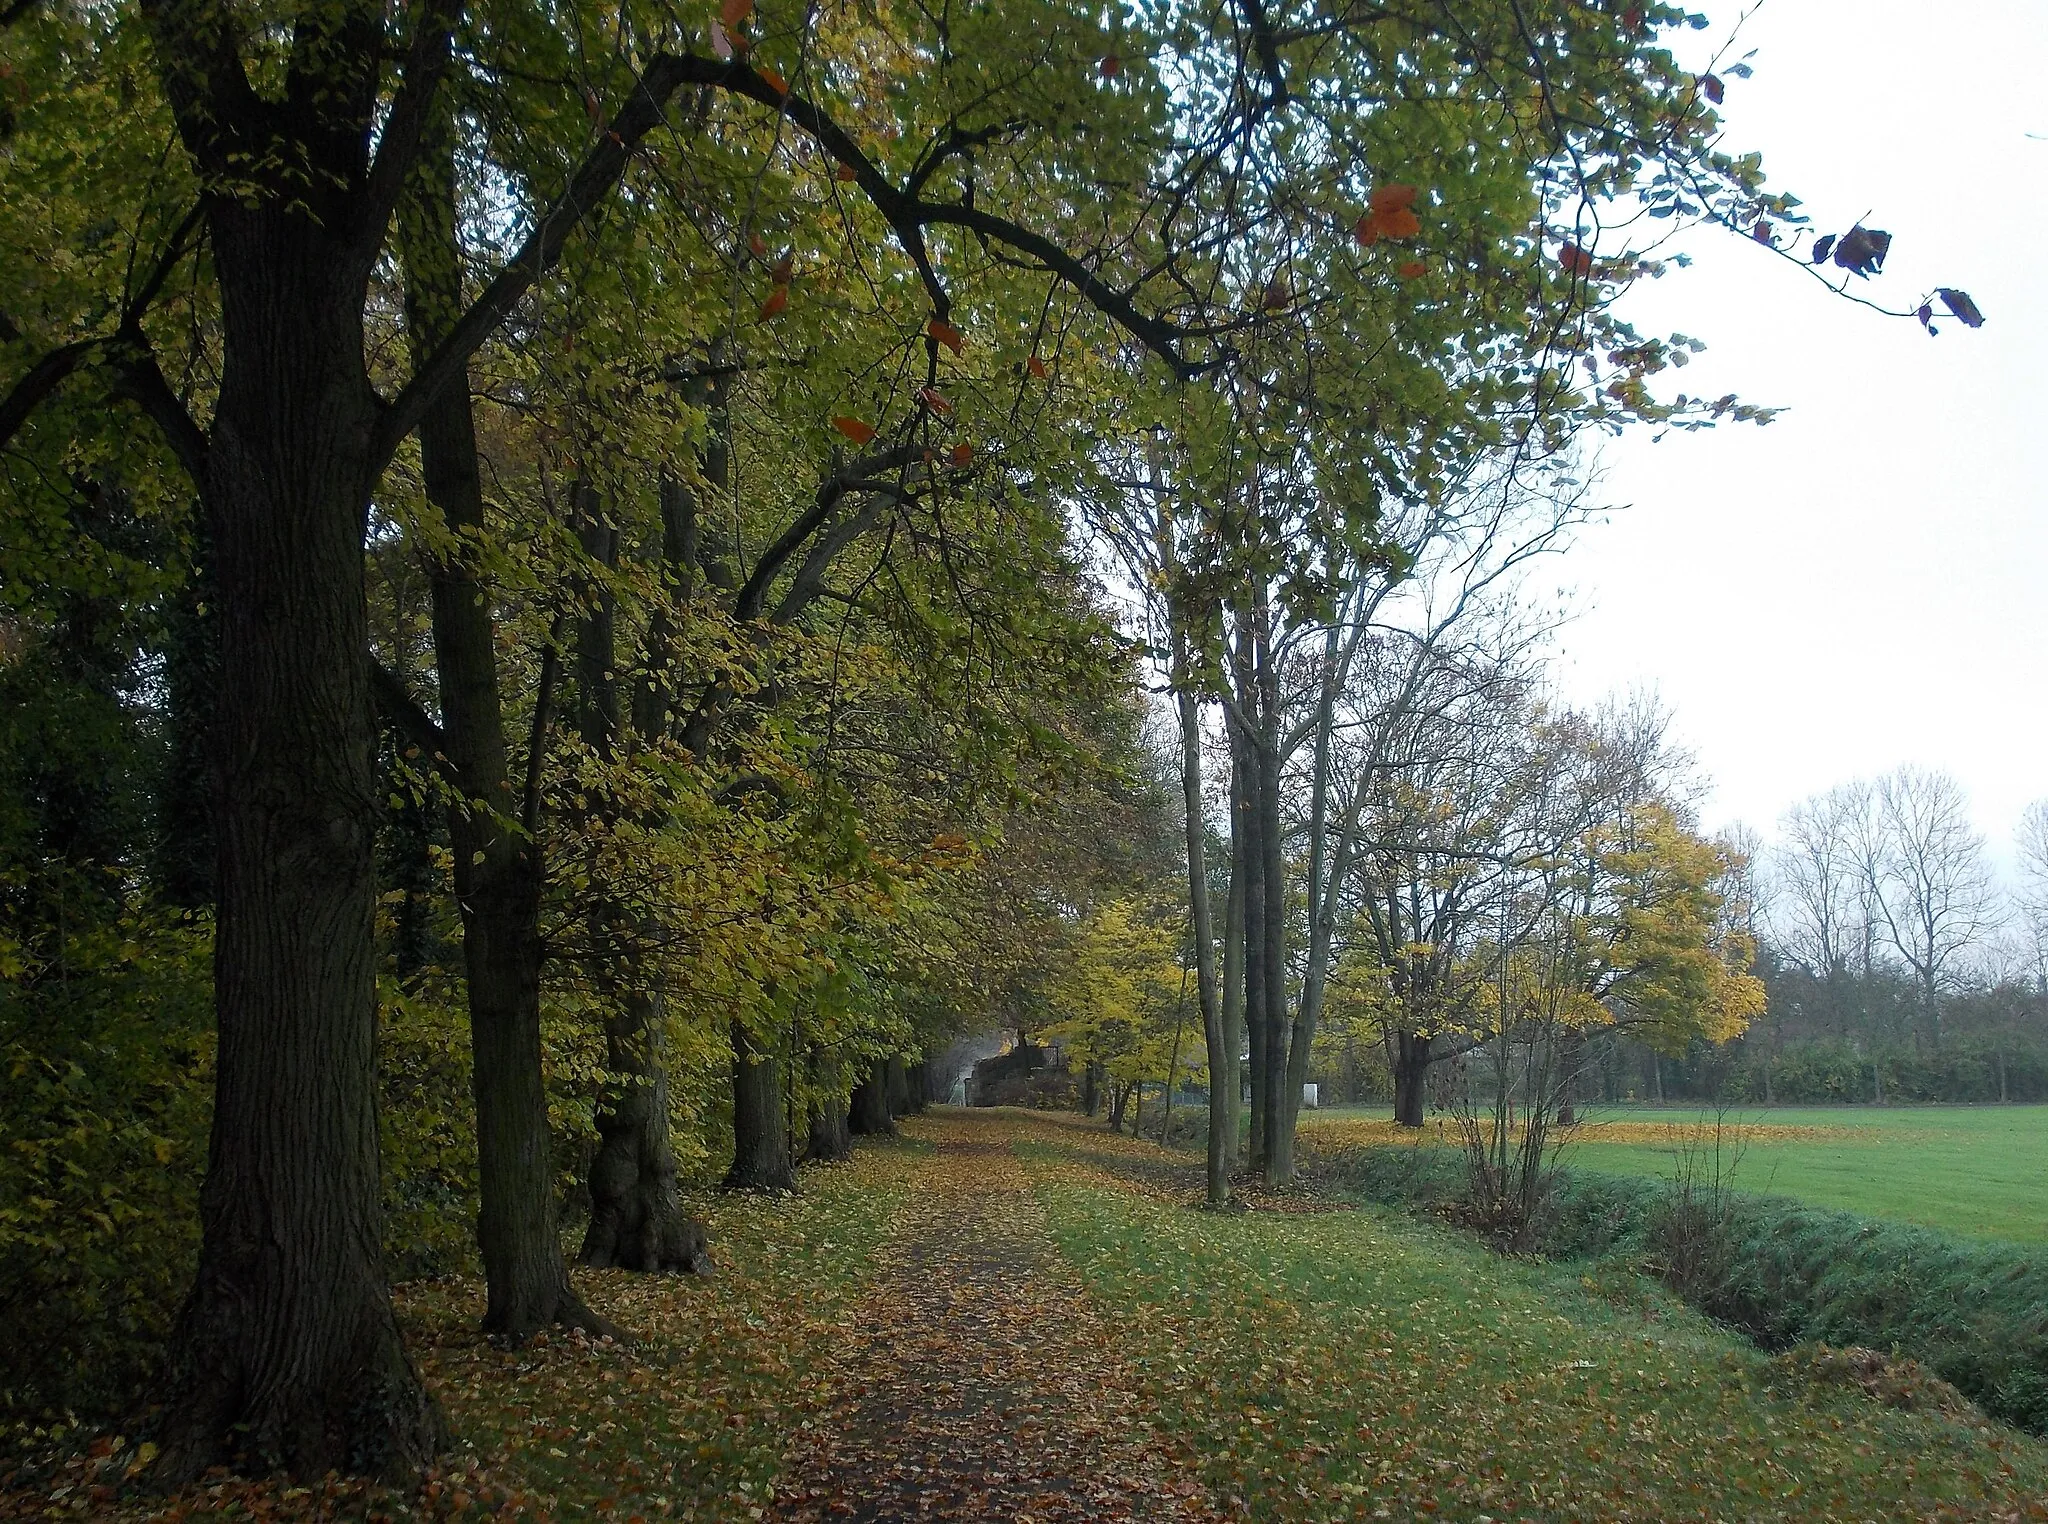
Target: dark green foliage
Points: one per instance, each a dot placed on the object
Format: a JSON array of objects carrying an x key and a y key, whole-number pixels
[
  {"x": 103, "y": 1117},
  {"x": 427, "y": 1129},
  {"x": 1976, "y": 1314}
]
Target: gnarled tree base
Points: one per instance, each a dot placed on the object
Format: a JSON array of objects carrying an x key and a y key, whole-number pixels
[{"x": 341, "y": 1396}]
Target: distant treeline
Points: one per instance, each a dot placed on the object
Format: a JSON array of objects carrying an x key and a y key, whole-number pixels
[{"x": 1853, "y": 1038}]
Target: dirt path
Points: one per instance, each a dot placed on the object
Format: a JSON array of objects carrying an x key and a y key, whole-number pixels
[{"x": 982, "y": 1385}]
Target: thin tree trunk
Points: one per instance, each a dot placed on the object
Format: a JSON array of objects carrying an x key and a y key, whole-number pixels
[
  {"x": 498, "y": 871},
  {"x": 1233, "y": 1007},
  {"x": 1281, "y": 1109},
  {"x": 1180, "y": 1012},
  {"x": 1248, "y": 868}
]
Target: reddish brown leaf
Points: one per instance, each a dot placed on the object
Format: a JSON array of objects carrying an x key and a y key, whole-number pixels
[
  {"x": 1575, "y": 259},
  {"x": 1037, "y": 367},
  {"x": 935, "y": 400},
  {"x": 1411, "y": 269},
  {"x": 777, "y": 300},
  {"x": 733, "y": 12},
  {"x": 946, "y": 334},
  {"x": 1393, "y": 198},
  {"x": 963, "y": 454},
  {"x": 860, "y": 433},
  {"x": 1110, "y": 66}
]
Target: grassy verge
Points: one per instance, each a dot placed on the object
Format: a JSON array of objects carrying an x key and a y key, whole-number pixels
[
  {"x": 1356, "y": 1365},
  {"x": 1783, "y": 1272}
]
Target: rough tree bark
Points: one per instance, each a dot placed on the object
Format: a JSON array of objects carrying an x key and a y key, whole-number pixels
[
  {"x": 830, "y": 1137},
  {"x": 760, "y": 1126},
  {"x": 868, "y": 1106},
  {"x": 291, "y": 1216},
  {"x": 636, "y": 1220},
  {"x": 1412, "y": 1059}
]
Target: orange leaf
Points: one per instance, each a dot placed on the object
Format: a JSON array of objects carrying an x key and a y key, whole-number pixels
[
  {"x": 946, "y": 334},
  {"x": 1575, "y": 259},
  {"x": 846, "y": 172},
  {"x": 934, "y": 399},
  {"x": 1398, "y": 222},
  {"x": 774, "y": 81},
  {"x": 1393, "y": 198},
  {"x": 963, "y": 454},
  {"x": 733, "y": 12},
  {"x": 1412, "y": 268},
  {"x": 777, "y": 300},
  {"x": 1366, "y": 231},
  {"x": 1110, "y": 66},
  {"x": 860, "y": 433},
  {"x": 1037, "y": 367}
]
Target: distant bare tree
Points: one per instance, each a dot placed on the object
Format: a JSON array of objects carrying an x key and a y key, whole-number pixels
[
  {"x": 2030, "y": 892},
  {"x": 1931, "y": 887},
  {"x": 1819, "y": 908}
]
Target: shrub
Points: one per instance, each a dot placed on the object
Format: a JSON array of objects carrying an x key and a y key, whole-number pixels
[{"x": 108, "y": 1055}]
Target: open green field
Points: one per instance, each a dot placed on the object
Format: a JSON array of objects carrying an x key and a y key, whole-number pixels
[
  {"x": 1975, "y": 1170},
  {"x": 1980, "y": 1170}
]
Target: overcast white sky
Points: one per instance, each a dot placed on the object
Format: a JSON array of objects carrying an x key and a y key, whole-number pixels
[{"x": 1860, "y": 583}]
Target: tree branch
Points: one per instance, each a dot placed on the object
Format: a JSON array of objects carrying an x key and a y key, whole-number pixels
[
  {"x": 426, "y": 64},
  {"x": 861, "y": 474},
  {"x": 605, "y": 164},
  {"x": 414, "y": 723}
]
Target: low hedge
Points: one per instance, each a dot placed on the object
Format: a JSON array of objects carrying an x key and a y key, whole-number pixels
[{"x": 1975, "y": 1313}]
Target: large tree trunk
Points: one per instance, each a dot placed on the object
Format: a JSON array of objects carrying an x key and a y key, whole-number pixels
[
  {"x": 498, "y": 870},
  {"x": 760, "y": 1130},
  {"x": 636, "y": 1220},
  {"x": 286, "y": 1353},
  {"x": 829, "y": 1137},
  {"x": 1412, "y": 1059},
  {"x": 868, "y": 1107}
]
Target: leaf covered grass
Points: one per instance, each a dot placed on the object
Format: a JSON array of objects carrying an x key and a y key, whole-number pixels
[
  {"x": 687, "y": 1419},
  {"x": 1355, "y": 1365}
]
